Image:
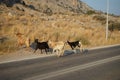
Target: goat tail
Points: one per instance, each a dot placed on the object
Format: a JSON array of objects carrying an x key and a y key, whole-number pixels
[
  {"x": 81, "y": 48},
  {"x": 80, "y": 43}
]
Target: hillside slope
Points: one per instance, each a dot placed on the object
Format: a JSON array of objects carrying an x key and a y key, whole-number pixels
[
  {"x": 58, "y": 20},
  {"x": 51, "y": 6}
]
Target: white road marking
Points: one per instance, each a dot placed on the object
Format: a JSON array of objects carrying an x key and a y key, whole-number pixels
[{"x": 72, "y": 69}]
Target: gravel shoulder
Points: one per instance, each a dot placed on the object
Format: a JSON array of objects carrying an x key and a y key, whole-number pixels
[{"x": 22, "y": 54}]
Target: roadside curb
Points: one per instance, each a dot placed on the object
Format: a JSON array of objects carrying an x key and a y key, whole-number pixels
[
  {"x": 101, "y": 47},
  {"x": 25, "y": 58}
]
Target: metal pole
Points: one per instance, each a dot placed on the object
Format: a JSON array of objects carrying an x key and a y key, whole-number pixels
[{"x": 107, "y": 20}]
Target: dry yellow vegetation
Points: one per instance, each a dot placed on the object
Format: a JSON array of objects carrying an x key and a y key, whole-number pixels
[{"x": 55, "y": 27}]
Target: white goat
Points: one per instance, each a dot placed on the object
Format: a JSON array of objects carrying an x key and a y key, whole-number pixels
[{"x": 58, "y": 47}]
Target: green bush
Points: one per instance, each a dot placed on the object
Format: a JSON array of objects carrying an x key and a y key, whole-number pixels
[
  {"x": 114, "y": 26},
  {"x": 99, "y": 17},
  {"x": 90, "y": 12},
  {"x": 48, "y": 11}
]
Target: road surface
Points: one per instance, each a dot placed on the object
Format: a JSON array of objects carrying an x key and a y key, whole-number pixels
[{"x": 95, "y": 64}]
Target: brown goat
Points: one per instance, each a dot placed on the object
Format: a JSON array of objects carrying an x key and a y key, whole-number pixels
[{"x": 22, "y": 40}]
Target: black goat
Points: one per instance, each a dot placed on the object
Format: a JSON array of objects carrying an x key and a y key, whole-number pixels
[
  {"x": 74, "y": 44},
  {"x": 41, "y": 46}
]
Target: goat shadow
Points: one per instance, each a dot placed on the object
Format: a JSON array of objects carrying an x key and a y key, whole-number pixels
[{"x": 76, "y": 51}]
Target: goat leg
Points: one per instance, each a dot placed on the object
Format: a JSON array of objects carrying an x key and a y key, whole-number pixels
[
  {"x": 41, "y": 51},
  {"x": 72, "y": 47},
  {"x": 46, "y": 51},
  {"x": 35, "y": 50}
]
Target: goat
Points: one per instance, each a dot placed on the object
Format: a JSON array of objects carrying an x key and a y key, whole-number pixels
[
  {"x": 22, "y": 40},
  {"x": 74, "y": 44},
  {"x": 57, "y": 47},
  {"x": 41, "y": 45}
]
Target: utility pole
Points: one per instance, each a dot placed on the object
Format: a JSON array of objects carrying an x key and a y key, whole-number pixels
[{"x": 107, "y": 20}]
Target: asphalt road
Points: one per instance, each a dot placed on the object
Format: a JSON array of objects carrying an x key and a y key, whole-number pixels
[{"x": 98, "y": 64}]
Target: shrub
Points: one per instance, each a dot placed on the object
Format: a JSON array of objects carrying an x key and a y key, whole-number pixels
[
  {"x": 100, "y": 18},
  {"x": 8, "y": 46},
  {"x": 114, "y": 26},
  {"x": 48, "y": 11},
  {"x": 90, "y": 12}
]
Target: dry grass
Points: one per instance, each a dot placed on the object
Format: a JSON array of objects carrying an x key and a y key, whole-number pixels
[
  {"x": 8, "y": 46},
  {"x": 55, "y": 28}
]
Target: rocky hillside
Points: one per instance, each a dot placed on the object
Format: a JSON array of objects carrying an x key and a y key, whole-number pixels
[{"x": 50, "y": 6}]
